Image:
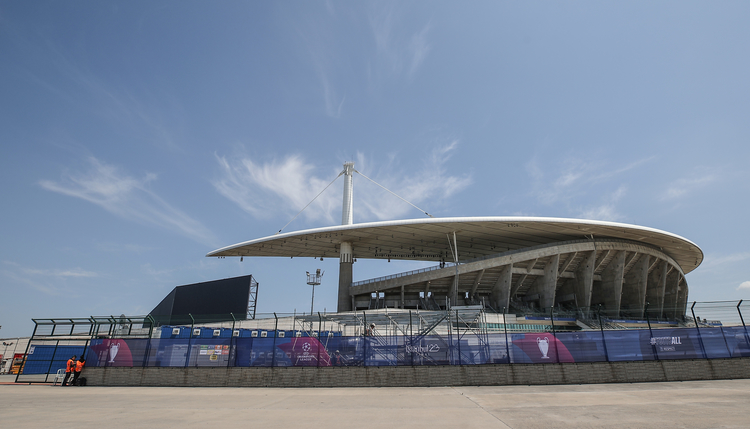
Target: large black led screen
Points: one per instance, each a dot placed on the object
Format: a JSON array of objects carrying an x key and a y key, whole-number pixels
[{"x": 207, "y": 301}]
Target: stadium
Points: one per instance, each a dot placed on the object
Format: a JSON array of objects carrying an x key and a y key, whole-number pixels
[
  {"x": 511, "y": 263},
  {"x": 502, "y": 291}
]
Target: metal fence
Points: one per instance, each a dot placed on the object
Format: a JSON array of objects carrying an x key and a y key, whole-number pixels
[{"x": 388, "y": 337}]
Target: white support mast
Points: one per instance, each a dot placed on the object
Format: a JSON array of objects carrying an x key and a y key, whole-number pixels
[
  {"x": 347, "y": 215},
  {"x": 345, "y": 251}
]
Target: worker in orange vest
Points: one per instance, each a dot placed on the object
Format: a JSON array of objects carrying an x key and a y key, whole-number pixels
[
  {"x": 78, "y": 368},
  {"x": 69, "y": 368}
]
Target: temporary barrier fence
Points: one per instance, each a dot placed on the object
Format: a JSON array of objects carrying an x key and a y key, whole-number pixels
[
  {"x": 399, "y": 338},
  {"x": 584, "y": 346}
]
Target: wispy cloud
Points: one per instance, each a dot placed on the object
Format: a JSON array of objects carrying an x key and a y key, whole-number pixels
[
  {"x": 76, "y": 272},
  {"x": 127, "y": 197},
  {"x": 687, "y": 185},
  {"x": 744, "y": 285},
  {"x": 624, "y": 169},
  {"x": 418, "y": 49},
  {"x": 119, "y": 247},
  {"x": 267, "y": 189},
  {"x": 47, "y": 281},
  {"x": 285, "y": 186},
  {"x": 72, "y": 272},
  {"x": 333, "y": 102},
  {"x": 426, "y": 187},
  {"x": 574, "y": 179},
  {"x": 563, "y": 185},
  {"x": 399, "y": 49},
  {"x": 608, "y": 209},
  {"x": 322, "y": 48},
  {"x": 718, "y": 262},
  {"x": 43, "y": 287}
]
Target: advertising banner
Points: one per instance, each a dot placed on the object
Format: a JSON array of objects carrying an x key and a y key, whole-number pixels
[
  {"x": 539, "y": 348},
  {"x": 671, "y": 344},
  {"x": 466, "y": 349},
  {"x": 295, "y": 351},
  {"x": 430, "y": 350},
  {"x": 116, "y": 352}
]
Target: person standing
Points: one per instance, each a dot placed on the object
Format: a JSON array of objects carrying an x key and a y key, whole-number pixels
[
  {"x": 69, "y": 368},
  {"x": 78, "y": 368}
]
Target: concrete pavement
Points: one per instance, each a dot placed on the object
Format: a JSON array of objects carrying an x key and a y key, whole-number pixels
[{"x": 694, "y": 404}]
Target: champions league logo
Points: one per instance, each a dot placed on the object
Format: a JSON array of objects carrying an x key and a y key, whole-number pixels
[
  {"x": 306, "y": 348},
  {"x": 543, "y": 344},
  {"x": 113, "y": 349}
]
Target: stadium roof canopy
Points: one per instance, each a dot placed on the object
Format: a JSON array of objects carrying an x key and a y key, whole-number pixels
[{"x": 431, "y": 239}]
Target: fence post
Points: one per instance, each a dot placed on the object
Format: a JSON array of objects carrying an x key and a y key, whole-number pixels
[
  {"x": 112, "y": 323},
  {"x": 450, "y": 334},
  {"x": 320, "y": 344},
  {"x": 93, "y": 323},
  {"x": 747, "y": 337},
  {"x": 554, "y": 334},
  {"x": 505, "y": 327},
  {"x": 232, "y": 342},
  {"x": 26, "y": 354},
  {"x": 86, "y": 345},
  {"x": 411, "y": 338},
  {"x": 601, "y": 328},
  {"x": 151, "y": 325},
  {"x": 151, "y": 322},
  {"x": 651, "y": 334},
  {"x": 49, "y": 368},
  {"x": 697, "y": 328},
  {"x": 190, "y": 340},
  {"x": 275, "y": 334},
  {"x": 365, "y": 339},
  {"x": 726, "y": 343},
  {"x": 458, "y": 335}
]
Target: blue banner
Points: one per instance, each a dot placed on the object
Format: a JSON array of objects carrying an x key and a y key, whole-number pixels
[{"x": 464, "y": 349}]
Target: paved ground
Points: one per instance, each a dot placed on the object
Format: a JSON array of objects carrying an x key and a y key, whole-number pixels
[{"x": 697, "y": 404}]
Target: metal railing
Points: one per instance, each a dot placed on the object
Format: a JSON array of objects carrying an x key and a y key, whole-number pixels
[{"x": 404, "y": 274}]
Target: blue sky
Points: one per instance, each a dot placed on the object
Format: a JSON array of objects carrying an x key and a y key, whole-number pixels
[{"x": 138, "y": 136}]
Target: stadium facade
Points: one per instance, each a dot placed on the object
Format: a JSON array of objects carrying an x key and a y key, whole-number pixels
[{"x": 502, "y": 263}]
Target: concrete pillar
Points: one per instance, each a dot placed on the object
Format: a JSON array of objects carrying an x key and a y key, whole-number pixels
[
  {"x": 453, "y": 291},
  {"x": 657, "y": 281},
  {"x": 565, "y": 288},
  {"x": 501, "y": 290},
  {"x": 682, "y": 298},
  {"x": 612, "y": 284},
  {"x": 477, "y": 280},
  {"x": 546, "y": 285},
  {"x": 670, "y": 295},
  {"x": 634, "y": 287},
  {"x": 345, "y": 277},
  {"x": 584, "y": 281}
]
